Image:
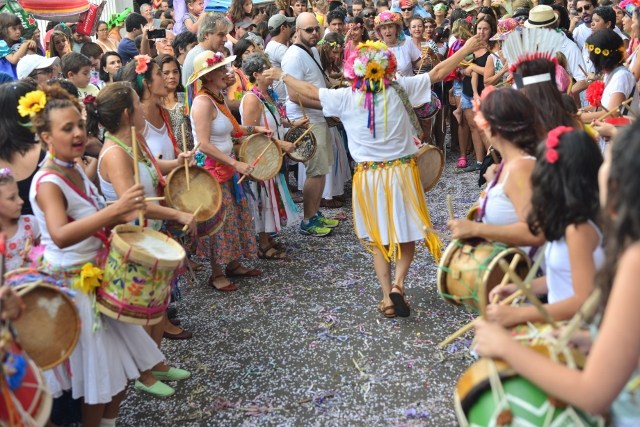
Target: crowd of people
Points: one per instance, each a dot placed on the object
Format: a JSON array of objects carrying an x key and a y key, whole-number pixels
[{"x": 523, "y": 91}]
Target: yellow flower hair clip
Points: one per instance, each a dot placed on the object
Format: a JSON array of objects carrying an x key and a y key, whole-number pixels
[
  {"x": 590, "y": 47},
  {"x": 605, "y": 52},
  {"x": 31, "y": 103}
]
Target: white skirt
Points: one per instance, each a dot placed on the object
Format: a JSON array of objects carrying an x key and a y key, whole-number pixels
[
  {"x": 271, "y": 197},
  {"x": 105, "y": 360}
]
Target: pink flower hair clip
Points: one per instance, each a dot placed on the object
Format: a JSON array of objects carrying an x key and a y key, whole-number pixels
[{"x": 553, "y": 141}]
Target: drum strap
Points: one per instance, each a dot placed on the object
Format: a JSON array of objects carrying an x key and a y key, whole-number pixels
[
  {"x": 404, "y": 97},
  {"x": 494, "y": 181},
  {"x": 167, "y": 123},
  {"x": 326, "y": 78}
]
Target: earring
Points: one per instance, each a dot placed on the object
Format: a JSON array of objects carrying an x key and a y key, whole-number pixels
[{"x": 50, "y": 151}]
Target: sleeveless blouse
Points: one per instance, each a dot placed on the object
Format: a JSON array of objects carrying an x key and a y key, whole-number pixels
[{"x": 221, "y": 128}]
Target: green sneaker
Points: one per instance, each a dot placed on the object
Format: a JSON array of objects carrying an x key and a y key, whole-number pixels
[
  {"x": 159, "y": 389},
  {"x": 173, "y": 374},
  {"x": 313, "y": 228},
  {"x": 323, "y": 221}
]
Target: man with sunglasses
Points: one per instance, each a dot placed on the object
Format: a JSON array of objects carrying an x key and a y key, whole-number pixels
[
  {"x": 580, "y": 25},
  {"x": 302, "y": 62},
  {"x": 368, "y": 16}
]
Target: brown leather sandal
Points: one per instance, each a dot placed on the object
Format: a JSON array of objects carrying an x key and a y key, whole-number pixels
[{"x": 388, "y": 311}]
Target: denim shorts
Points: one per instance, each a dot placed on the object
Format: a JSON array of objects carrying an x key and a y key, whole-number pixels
[
  {"x": 465, "y": 102},
  {"x": 457, "y": 88}
]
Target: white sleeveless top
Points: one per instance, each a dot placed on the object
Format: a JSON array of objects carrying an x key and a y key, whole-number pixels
[
  {"x": 159, "y": 142},
  {"x": 221, "y": 128},
  {"x": 146, "y": 180},
  {"x": 77, "y": 207},
  {"x": 271, "y": 120},
  {"x": 558, "y": 267}
]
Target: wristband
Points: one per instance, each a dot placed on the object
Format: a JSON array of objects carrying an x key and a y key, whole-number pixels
[
  {"x": 282, "y": 76},
  {"x": 250, "y": 130}
]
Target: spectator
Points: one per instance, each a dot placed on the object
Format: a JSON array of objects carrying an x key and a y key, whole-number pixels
[{"x": 135, "y": 25}]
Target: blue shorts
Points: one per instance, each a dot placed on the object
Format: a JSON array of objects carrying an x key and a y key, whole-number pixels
[
  {"x": 457, "y": 88},
  {"x": 465, "y": 102}
]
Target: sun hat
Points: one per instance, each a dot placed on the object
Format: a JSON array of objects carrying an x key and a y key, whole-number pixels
[
  {"x": 387, "y": 17},
  {"x": 467, "y": 5},
  {"x": 278, "y": 19},
  {"x": 207, "y": 61},
  {"x": 29, "y": 63},
  {"x": 505, "y": 27},
  {"x": 541, "y": 16}
]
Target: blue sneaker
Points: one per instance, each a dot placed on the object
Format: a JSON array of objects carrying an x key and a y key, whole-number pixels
[
  {"x": 313, "y": 228},
  {"x": 323, "y": 221}
]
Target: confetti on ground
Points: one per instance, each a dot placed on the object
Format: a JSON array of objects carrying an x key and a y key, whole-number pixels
[{"x": 304, "y": 344}]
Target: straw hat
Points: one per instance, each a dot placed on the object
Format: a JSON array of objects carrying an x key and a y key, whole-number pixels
[
  {"x": 467, "y": 5},
  {"x": 207, "y": 61},
  {"x": 541, "y": 16},
  {"x": 387, "y": 17}
]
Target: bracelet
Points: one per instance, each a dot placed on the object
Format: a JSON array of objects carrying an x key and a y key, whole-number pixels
[
  {"x": 282, "y": 76},
  {"x": 250, "y": 130}
]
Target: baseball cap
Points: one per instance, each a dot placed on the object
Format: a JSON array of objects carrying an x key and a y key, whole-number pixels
[
  {"x": 29, "y": 63},
  {"x": 245, "y": 23},
  {"x": 278, "y": 19}
]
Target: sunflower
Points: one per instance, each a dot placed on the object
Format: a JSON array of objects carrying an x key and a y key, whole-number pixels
[
  {"x": 31, "y": 103},
  {"x": 374, "y": 71}
]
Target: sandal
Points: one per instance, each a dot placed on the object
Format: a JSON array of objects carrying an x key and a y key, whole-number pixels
[
  {"x": 330, "y": 203},
  {"x": 233, "y": 272},
  {"x": 277, "y": 245},
  {"x": 388, "y": 311},
  {"x": 462, "y": 162},
  {"x": 270, "y": 252},
  {"x": 229, "y": 288},
  {"x": 400, "y": 304},
  {"x": 196, "y": 266}
]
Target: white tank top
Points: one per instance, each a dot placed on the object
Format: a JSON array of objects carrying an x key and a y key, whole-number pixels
[
  {"x": 159, "y": 142},
  {"x": 221, "y": 128}
]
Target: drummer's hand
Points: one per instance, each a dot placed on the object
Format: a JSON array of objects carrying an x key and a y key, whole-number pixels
[
  {"x": 129, "y": 204},
  {"x": 582, "y": 341},
  {"x": 12, "y": 304},
  {"x": 502, "y": 291},
  {"x": 243, "y": 168},
  {"x": 490, "y": 172},
  {"x": 287, "y": 147},
  {"x": 462, "y": 228},
  {"x": 189, "y": 155},
  {"x": 492, "y": 340},
  {"x": 605, "y": 130},
  {"x": 262, "y": 129},
  {"x": 473, "y": 44},
  {"x": 504, "y": 315},
  {"x": 303, "y": 121},
  {"x": 272, "y": 73},
  {"x": 186, "y": 218}
]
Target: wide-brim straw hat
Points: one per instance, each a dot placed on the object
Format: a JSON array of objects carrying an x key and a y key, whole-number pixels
[
  {"x": 207, "y": 61},
  {"x": 541, "y": 16}
]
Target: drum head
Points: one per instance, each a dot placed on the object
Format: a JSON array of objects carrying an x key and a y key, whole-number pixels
[
  {"x": 147, "y": 247},
  {"x": 49, "y": 328},
  {"x": 430, "y": 162},
  {"x": 203, "y": 192},
  {"x": 269, "y": 164},
  {"x": 306, "y": 147}
]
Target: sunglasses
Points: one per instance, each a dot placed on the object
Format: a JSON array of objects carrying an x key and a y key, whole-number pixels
[
  {"x": 369, "y": 15},
  {"x": 585, "y": 8},
  {"x": 406, "y": 9},
  {"x": 311, "y": 30}
]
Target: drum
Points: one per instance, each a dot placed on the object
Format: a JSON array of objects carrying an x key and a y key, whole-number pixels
[
  {"x": 140, "y": 268},
  {"x": 269, "y": 164},
  {"x": 430, "y": 161},
  {"x": 27, "y": 400},
  {"x": 469, "y": 269},
  {"x": 306, "y": 147},
  {"x": 427, "y": 110},
  {"x": 204, "y": 192},
  {"x": 473, "y": 212},
  {"x": 49, "y": 328},
  {"x": 203, "y": 229},
  {"x": 515, "y": 401}
]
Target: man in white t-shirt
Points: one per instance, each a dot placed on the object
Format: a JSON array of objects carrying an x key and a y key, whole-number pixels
[
  {"x": 302, "y": 62},
  {"x": 280, "y": 28}
]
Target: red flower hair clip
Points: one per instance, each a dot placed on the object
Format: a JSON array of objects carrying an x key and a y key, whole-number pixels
[
  {"x": 142, "y": 63},
  {"x": 553, "y": 140},
  {"x": 89, "y": 99}
]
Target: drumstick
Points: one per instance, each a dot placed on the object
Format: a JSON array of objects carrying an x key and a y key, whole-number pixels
[
  {"x": 616, "y": 110},
  {"x": 28, "y": 288},
  {"x": 136, "y": 171},
  {"x": 297, "y": 141},
  {"x": 528, "y": 293},
  {"x": 586, "y": 310},
  {"x": 583, "y": 70},
  {"x": 301, "y": 106},
  {"x": 440, "y": 234},
  {"x": 255, "y": 162},
  {"x": 505, "y": 279},
  {"x": 186, "y": 226},
  {"x": 450, "y": 206},
  {"x": 186, "y": 161},
  {"x": 146, "y": 199},
  {"x": 508, "y": 300}
]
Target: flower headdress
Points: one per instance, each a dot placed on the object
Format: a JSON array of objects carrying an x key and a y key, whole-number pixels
[
  {"x": 371, "y": 67},
  {"x": 553, "y": 141},
  {"x": 594, "y": 93},
  {"x": 142, "y": 65},
  {"x": 387, "y": 17},
  {"x": 629, "y": 6},
  {"x": 32, "y": 103}
]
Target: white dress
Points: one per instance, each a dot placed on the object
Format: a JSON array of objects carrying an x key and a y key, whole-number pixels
[
  {"x": 272, "y": 195},
  {"x": 104, "y": 360},
  {"x": 28, "y": 231}
]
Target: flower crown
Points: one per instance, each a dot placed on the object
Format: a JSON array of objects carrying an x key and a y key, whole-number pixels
[
  {"x": 553, "y": 141},
  {"x": 142, "y": 65},
  {"x": 387, "y": 17},
  {"x": 629, "y": 6},
  {"x": 323, "y": 42},
  {"x": 31, "y": 103},
  {"x": 216, "y": 59},
  {"x": 371, "y": 65},
  {"x": 604, "y": 52}
]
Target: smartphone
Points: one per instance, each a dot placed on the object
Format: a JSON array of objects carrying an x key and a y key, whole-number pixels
[{"x": 157, "y": 34}]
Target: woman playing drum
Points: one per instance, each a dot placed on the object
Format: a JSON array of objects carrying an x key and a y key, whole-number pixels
[
  {"x": 273, "y": 207},
  {"x": 390, "y": 212},
  {"x": 213, "y": 126},
  {"x": 72, "y": 218},
  {"x": 118, "y": 109},
  {"x": 610, "y": 375},
  {"x": 508, "y": 121}
]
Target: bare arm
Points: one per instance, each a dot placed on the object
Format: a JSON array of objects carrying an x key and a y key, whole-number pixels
[
  {"x": 21, "y": 52},
  {"x": 254, "y": 115},
  {"x": 614, "y": 103},
  {"x": 444, "y": 68},
  {"x": 490, "y": 75}
]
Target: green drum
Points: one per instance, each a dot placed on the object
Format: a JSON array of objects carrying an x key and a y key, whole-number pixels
[{"x": 512, "y": 400}]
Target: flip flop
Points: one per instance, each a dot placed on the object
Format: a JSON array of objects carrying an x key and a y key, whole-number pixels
[
  {"x": 229, "y": 288},
  {"x": 400, "y": 305}
]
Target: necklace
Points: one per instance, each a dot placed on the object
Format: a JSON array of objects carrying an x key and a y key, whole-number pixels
[
  {"x": 63, "y": 163},
  {"x": 151, "y": 168},
  {"x": 216, "y": 96}
]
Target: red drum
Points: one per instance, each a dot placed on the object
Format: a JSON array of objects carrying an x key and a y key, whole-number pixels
[{"x": 429, "y": 109}]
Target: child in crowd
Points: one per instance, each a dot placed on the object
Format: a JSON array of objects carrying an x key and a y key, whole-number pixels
[
  {"x": 20, "y": 231},
  {"x": 77, "y": 69},
  {"x": 12, "y": 45},
  {"x": 567, "y": 164},
  {"x": 193, "y": 17},
  {"x": 94, "y": 52},
  {"x": 460, "y": 32}
]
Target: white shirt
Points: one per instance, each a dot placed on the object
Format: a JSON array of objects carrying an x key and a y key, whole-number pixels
[
  {"x": 275, "y": 52},
  {"x": 574, "y": 58},
  {"x": 621, "y": 81},
  {"x": 159, "y": 142},
  {"x": 187, "y": 66},
  {"x": 298, "y": 63},
  {"x": 582, "y": 32},
  {"x": 396, "y": 140},
  {"x": 406, "y": 54}
]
